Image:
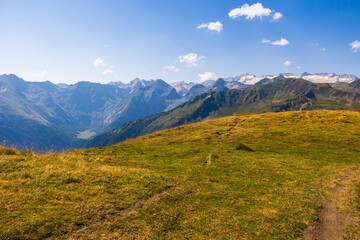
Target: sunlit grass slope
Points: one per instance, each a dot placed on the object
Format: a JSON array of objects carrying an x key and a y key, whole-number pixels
[{"x": 253, "y": 176}]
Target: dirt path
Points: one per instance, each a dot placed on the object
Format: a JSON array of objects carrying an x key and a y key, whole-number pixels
[
  {"x": 208, "y": 159},
  {"x": 83, "y": 232},
  {"x": 143, "y": 203},
  {"x": 331, "y": 223}
]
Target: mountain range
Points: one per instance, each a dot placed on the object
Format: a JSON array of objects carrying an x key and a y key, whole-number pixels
[
  {"x": 43, "y": 115},
  {"x": 281, "y": 94},
  {"x": 251, "y": 79}
]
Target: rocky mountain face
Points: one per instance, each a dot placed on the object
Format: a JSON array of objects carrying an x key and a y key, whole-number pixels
[
  {"x": 355, "y": 84},
  {"x": 30, "y": 115},
  {"x": 142, "y": 102}
]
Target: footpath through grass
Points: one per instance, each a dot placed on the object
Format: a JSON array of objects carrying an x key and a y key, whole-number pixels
[{"x": 253, "y": 176}]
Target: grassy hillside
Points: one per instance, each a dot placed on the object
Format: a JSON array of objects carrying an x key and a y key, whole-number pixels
[
  {"x": 252, "y": 176},
  {"x": 283, "y": 95}
]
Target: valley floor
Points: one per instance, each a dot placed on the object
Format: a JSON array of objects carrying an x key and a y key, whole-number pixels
[{"x": 253, "y": 176}]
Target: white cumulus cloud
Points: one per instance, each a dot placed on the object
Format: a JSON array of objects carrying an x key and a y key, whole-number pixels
[
  {"x": 191, "y": 59},
  {"x": 281, "y": 42},
  {"x": 355, "y": 46},
  {"x": 99, "y": 62},
  {"x": 207, "y": 76},
  {"x": 212, "y": 26},
  {"x": 108, "y": 72},
  {"x": 254, "y": 11},
  {"x": 323, "y": 49},
  {"x": 171, "y": 68},
  {"x": 277, "y": 16},
  {"x": 287, "y": 63}
]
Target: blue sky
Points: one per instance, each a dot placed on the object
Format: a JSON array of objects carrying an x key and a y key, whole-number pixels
[{"x": 62, "y": 41}]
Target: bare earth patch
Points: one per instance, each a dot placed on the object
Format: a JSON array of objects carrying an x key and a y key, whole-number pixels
[{"x": 208, "y": 160}]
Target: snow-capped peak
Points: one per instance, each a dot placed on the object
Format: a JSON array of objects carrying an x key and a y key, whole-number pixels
[
  {"x": 328, "y": 77},
  {"x": 251, "y": 79}
]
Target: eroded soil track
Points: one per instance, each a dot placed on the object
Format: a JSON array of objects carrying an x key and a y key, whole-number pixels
[
  {"x": 131, "y": 210},
  {"x": 331, "y": 223}
]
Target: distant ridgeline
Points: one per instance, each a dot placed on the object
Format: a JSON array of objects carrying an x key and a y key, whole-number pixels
[{"x": 47, "y": 116}]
